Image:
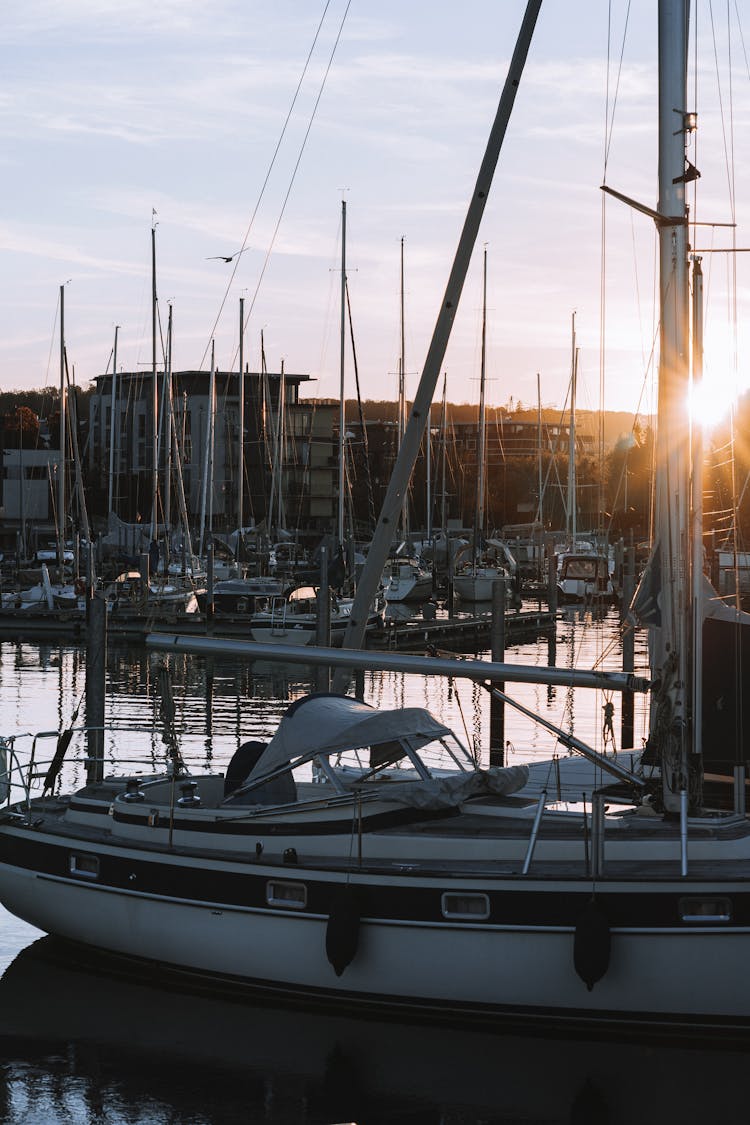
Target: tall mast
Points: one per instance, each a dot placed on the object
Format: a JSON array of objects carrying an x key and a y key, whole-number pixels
[
  {"x": 399, "y": 482},
  {"x": 241, "y": 437},
  {"x": 572, "y": 507},
  {"x": 539, "y": 447},
  {"x": 154, "y": 394},
  {"x": 479, "y": 530},
  {"x": 342, "y": 401},
  {"x": 697, "y": 507},
  {"x": 112, "y": 425},
  {"x": 177, "y": 458},
  {"x": 444, "y": 437},
  {"x": 428, "y": 467},
  {"x": 281, "y": 446},
  {"x": 166, "y": 410},
  {"x": 211, "y": 450},
  {"x": 63, "y": 442},
  {"x": 208, "y": 452},
  {"x": 402, "y": 394},
  {"x": 672, "y": 663}
]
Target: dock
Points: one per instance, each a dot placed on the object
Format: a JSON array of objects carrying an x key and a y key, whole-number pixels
[
  {"x": 131, "y": 624},
  {"x": 453, "y": 631}
]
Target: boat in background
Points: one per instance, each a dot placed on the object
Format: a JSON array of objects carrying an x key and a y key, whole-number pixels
[
  {"x": 242, "y": 596},
  {"x": 407, "y": 580},
  {"x": 292, "y": 617},
  {"x": 584, "y": 575},
  {"x": 474, "y": 581}
]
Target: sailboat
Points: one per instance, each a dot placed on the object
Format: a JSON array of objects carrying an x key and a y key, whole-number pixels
[
  {"x": 583, "y": 571},
  {"x": 362, "y": 858},
  {"x": 473, "y": 582}
]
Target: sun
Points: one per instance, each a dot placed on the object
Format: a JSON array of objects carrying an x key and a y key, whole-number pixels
[{"x": 711, "y": 402}]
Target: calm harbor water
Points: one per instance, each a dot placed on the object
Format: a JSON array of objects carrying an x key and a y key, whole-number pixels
[{"x": 85, "y": 1040}]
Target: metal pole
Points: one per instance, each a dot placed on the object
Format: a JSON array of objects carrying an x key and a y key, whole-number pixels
[
  {"x": 597, "y": 833},
  {"x": 397, "y": 488},
  {"x": 63, "y": 443},
  {"x": 534, "y": 832},
  {"x": 740, "y": 802},
  {"x": 683, "y": 832},
  {"x": 428, "y": 480},
  {"x": 323, "y": 632},
  {"x": 672, "y": 435},
  {"x": 342, "y": 401},
  {"x": 112, "y": 426},
  {"x": 21, "y": 483},
  {"x": 154, "y": 395},
  {"x": 210, "y": 582},
  {"x": 609, "y": 765},
  {"x": 627, "y": 724},
  {"x": 552, "y": 581},
  {"x": 402, "y": 396},
  {"x": 241, "y": 443},
  {"x": 401, "y": 662},
  {"x": 96, "y": 670},
  {"x": 166, "y": 414},
  {"x": 497, "y": 644},
  {"x": 481, "y": 436},
  {"x": 572, "y": 526},
  {"x": 539, "y": 453},
  {"x": 697, "y": 518}
]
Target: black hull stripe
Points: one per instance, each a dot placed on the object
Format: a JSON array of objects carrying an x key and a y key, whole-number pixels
[{"x": 204, "y": 882}]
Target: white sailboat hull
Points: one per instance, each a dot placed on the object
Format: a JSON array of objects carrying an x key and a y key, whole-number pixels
[
  {"x": 658, "y": 972},
  {"x": 477, "y": 587}
]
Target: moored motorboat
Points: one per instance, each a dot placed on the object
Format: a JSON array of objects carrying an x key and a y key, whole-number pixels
[
  {"x": 293, "y": 617},
  {"x": 584, "y": 575},
  {"x": 243, "y": 596}
]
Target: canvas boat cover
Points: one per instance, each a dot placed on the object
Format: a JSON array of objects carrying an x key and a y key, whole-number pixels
[
  {"x": 319, "y": 725},
  {"x": 451, "y": 791}
]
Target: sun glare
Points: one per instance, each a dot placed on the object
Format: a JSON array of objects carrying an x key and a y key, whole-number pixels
[
  {"x": 719, "y": 388},
  {"x": 710, "y": 405}
]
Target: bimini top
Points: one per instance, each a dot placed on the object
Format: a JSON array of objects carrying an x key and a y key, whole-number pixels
[{"x": 322, "y": 724}]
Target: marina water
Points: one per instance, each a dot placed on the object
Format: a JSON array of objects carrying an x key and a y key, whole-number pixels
[{"x": 87, "y": 1039}]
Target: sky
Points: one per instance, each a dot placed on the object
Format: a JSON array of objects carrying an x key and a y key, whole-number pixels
[{"x": 116, "y": 114}]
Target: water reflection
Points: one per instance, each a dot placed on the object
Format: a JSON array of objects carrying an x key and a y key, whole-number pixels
[
  {"x": 220, "y": 702},
  {"x": 86, "y": 1039}
]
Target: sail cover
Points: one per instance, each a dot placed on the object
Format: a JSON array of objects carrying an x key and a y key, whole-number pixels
[{"x": 322, "y": 724}]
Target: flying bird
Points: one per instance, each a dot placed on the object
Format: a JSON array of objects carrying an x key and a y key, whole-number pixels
[{"x": 227, "y": 257}]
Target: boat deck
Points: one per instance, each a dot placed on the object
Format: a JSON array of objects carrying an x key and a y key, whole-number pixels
[{"x": 47, "y": 820}]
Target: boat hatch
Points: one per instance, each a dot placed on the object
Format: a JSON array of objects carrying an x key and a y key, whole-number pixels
[
  {"x": 705, "y": 909},
  {"x": 465, "y": 907},
  {"x": 86, "y": 866},
  {"x": 282, "y": 893}
]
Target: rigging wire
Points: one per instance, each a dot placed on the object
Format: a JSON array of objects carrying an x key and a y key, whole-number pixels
[
  {"x": 727, "y": 130},
  {"x": 742, "y": 38},
  {"x": 303, "y": 145},
  {"x": 370, "y": 495}
]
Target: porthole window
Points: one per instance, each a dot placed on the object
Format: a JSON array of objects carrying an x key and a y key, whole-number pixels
[
  {"x": 283, "y": 893},
  {"x": 465, "y": 907},
  {"x": 87, "y": 866},
  {"x": 704, "y": 909}
]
